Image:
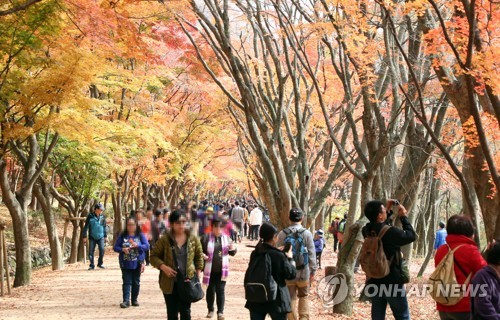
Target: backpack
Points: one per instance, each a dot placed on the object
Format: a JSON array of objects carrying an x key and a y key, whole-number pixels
[
  {"x": 334, "y": 227},
  {"x": 260, "y": 285},
  {"x": 300, "y": 253},
  {"x": 443, "y": 281},
  {"x": 342, "y": 226},
  {"x": 372, "y": 256}
]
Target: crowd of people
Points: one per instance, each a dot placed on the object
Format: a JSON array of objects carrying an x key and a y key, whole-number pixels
[{"x": 191, "y": 247}]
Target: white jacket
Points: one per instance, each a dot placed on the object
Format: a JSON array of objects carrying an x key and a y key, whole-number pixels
[{"x": 255, "y": 217}]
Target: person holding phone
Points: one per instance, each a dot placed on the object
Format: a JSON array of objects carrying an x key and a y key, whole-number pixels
[
  {"x": 392, "y": 241},
  {"x": 217, "y": 247},
  {"x": 132, "y": 245}
]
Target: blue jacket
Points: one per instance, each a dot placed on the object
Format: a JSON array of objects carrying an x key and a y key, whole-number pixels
[
  {"x": 319, "y": 244},
  {"x": 95, "y": 226},
  {"x": 440, "y": 238},
  {"x": 136, "y": 255}
]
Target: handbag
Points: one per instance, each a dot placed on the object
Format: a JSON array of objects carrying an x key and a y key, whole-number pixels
[{"x": 188, "y": 289}]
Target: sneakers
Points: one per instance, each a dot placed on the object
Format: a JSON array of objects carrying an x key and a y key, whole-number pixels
[
  {"x": 125, "y": 304},
  {"x": 220, "y": 316},
  {"x": 91, "y": 268},
  {"x": 135, "y": 303},
  {"x": 102, "y": 266},
  {"x": 210, "y": 315}
]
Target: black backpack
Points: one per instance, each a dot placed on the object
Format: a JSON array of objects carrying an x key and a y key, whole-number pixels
[{"x": 260, "y": 285}]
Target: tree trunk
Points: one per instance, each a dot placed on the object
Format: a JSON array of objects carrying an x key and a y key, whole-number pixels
[
  {"x": 433, "y": 208},
  {"x": 73, "y": 256},
  {"x": 17, "y": 207},
  {"x": 42, "y": 193},
  {"x": 81, "y": 251}
]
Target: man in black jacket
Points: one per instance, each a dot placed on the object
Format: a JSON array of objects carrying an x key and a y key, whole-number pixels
[{"x": 390, "y": 289}]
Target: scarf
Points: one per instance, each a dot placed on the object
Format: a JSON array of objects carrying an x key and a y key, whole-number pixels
[{"x": 225, "y": 258}]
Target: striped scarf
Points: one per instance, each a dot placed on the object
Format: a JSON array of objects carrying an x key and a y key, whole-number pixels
[{"x": 225, "y": 258}]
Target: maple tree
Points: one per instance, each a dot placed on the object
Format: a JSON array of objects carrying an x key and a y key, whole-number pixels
[{"x": 82, "y": 133}]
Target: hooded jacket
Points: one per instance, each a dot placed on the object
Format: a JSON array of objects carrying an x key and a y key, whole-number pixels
[
  {"x": 470, "y": 260},
  {"x": 282, "y": 270}
]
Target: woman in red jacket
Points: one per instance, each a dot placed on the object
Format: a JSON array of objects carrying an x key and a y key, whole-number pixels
[{"x": 460, "y": 232}]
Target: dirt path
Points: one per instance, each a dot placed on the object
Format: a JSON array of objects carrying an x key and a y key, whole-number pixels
[{"x": 76, "y": 293}]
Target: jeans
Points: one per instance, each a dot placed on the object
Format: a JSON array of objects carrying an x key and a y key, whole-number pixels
[
  {"x": 216, "y": 287},
  {"x": 176, "y": 306},
  {"x": 146, "y": 253},
  {"x": 131, "y": 281},
  {"x": 454, "y": 315},
  {"x": 262, "y": 316},
  {"x": 254, "y": 232},
  {"x": 93, "y": 243},
  {"x": 397, "y": 302},
  {"x": 299, "y": 292}
]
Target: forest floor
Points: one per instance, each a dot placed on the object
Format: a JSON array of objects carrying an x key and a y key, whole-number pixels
[{"x": 75, "y": 293}]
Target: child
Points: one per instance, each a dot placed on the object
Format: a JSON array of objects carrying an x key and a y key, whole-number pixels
[
  {"x": 319, "y": 245},
  {"x": 132, "y": 245}
]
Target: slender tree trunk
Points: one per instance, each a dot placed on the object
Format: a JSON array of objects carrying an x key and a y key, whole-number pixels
[
  {"x": 42, "y": 193},
  {"x": 433, "y": 208},
  {"x": 73, "y": 256}
]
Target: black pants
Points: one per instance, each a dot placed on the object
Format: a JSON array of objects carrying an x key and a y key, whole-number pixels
[
  {"x": 245, "y": 229},
  {"x": 318, "y": 259},
  {"x": 176, "y": 306},
  {"x": 335, "y": 243},
  {"x": 254, "y": 232},
  {"x": 454, "y": 315},
  {"x": 131, "y": 282},
  {"x": 216, "y": 287},
  {"x": 147, "y": 253},
  {"x": 254, "y": 315}
]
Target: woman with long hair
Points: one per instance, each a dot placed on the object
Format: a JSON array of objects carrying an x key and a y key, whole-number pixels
[
  {"x": 177, "y": 251},
  {"x": 132, "y": 245}
]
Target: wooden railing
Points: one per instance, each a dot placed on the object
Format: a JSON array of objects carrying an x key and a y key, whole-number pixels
[{"x": 4, "y": 263}]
